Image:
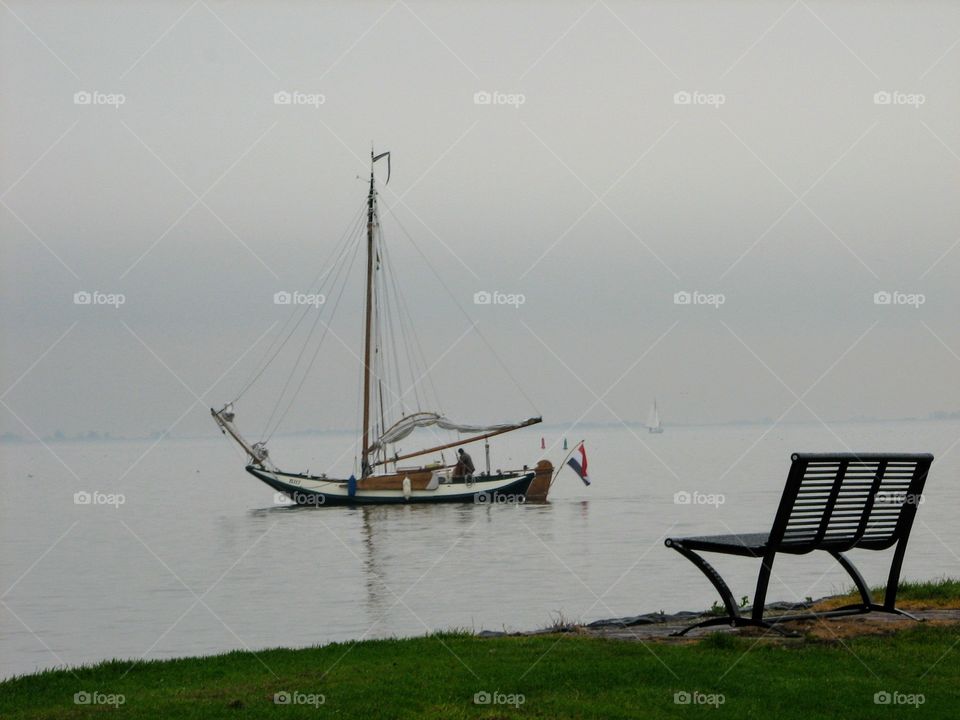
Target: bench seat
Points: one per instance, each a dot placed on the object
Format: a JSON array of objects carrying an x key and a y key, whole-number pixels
[{"x": 750, "y": 544}]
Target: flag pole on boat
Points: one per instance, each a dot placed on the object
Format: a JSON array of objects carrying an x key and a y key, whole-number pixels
[{"x": 562, "y": 465}]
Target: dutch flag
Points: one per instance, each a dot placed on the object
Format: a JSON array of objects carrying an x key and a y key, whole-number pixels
[{"x": 580, "y": 466}]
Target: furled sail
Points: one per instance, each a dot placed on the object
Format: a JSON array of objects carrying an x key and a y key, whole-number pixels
[{"x": 403, "y": 427}]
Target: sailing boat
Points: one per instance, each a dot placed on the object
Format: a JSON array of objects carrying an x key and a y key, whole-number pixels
[
  {"x": 654, "y": 425},
  {"x": 383, "y": 478}
]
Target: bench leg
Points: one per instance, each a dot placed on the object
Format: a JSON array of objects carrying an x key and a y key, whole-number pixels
[
  {"x": 857, "y": 577},
  {"x": 889, "y": 604},
  {"x": 893, "y": 579},
  {"x": 763, "y": 581},
  {"x": 898, "y": 611},
  {"x": 733, "y": 617},
  {"x": 867, "y": 604},
  {"x": 733, "y": 612}
]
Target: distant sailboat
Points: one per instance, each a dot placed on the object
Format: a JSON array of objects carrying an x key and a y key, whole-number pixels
[{"x": 654, "y": 426}]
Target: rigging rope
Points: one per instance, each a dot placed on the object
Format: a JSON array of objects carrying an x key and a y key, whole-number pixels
[
  {"x": 316, "y": 321},
  {"x": 339, "y": 248},
  {"x": 464, "y": 312},
  {"x": 391, "y": 337},
  {"x": 417, "y": 363}
]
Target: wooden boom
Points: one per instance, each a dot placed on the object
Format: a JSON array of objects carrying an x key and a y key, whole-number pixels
[{"x": 467, "y": 441}]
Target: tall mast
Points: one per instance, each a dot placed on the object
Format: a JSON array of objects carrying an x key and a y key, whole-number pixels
[
  {"x": 368, "y": 349},
  {"x": 367, "y": 337}
]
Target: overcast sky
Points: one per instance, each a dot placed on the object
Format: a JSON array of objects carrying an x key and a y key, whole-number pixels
[{"x": 789, "y": 159}]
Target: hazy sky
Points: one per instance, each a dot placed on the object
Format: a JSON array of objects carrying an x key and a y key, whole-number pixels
[{"x": 787, "y": 185}]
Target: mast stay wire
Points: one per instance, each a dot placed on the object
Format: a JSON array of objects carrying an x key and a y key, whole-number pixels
[
  {"x": 393, "y": 330},
  {"x": 417, "y": 359},
  {"x": 346, "y": 274},
  {"x": 456, "y": 302},
  {"x": 339, "y": 248}
]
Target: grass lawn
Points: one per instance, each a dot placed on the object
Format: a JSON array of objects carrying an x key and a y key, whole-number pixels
[{"x": 546, "y": 676}]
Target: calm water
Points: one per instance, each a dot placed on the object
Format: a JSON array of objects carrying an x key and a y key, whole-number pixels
[{"x": 198, "y": 558}]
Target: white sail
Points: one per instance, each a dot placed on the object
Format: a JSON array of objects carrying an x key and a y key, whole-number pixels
[
  {"x": 407, "y": 425},
  {"x": 653, "y": 419}
]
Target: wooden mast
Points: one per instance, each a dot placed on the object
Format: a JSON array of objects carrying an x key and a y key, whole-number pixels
[{"x": 368, "y": 369}]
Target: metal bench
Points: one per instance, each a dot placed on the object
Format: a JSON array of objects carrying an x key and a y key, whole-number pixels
[{"x": 833, "y": 502}]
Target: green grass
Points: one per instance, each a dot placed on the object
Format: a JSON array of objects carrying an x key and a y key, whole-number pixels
[
  {"x": 560, "y": 676},
  {"x": 946, "y": 589}
]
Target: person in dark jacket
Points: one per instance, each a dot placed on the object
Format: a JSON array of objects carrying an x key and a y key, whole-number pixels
[{"x": 464, "y": 466}]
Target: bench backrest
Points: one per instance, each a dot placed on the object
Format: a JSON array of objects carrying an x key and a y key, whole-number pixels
[{"x": 841, "y": 501}]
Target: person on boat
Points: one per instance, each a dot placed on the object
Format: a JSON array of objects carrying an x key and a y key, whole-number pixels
[{"x": 464, "y": 466}]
